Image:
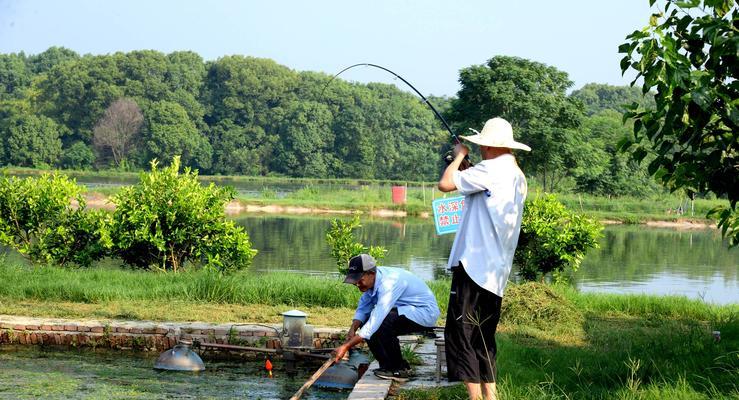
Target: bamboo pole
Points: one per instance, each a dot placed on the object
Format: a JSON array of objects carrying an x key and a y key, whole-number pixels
[{"x": 313, "y": 378}]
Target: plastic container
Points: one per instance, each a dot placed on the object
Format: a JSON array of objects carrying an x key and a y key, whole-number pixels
[{"x": 399, "y": 194}]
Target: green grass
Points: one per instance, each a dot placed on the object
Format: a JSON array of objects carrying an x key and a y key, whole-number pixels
[
  {"x": 557, "y": 343},
  {"x": 113, "y": 284}
]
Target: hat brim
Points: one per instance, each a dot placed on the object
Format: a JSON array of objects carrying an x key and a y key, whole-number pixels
[
  {"x": 481, "y": 141},
  {"x": 353, "y": 278}
]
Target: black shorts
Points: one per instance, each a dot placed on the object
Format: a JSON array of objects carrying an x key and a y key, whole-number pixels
[{"x": 471, "y": 320}]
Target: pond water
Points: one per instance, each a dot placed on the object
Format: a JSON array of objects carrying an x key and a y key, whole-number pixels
[
  {"x": 32, "y": 373},
  {"x": 631, "y": 259}
]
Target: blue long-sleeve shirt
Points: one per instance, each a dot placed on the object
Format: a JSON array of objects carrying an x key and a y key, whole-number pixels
[{"x": 396, "y": 287}]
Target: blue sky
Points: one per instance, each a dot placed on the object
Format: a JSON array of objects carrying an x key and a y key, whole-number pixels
[{"x": 426, "y": 42}]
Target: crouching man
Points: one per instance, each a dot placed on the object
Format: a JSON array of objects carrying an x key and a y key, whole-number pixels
[{"x": 394, "y": 302}]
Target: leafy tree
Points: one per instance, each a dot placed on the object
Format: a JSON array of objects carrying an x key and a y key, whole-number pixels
[
  {"x": 77, "y": 156},
  {"x": 305, "y": 142},
  {"x": 688, "y": 56},
  {"x": 185, "y": 77},
  {"x": 248, "y": 90},
  {"x": 553, "y": 239},
  {"x": 76, "y": 93},
  {"x": 38, "y": 220},
  {"x": 115, "y": 135},
  {"x": 170, "y": 220},
  {"x": 14, "y": 76},
  {"x": 597, "y": 97},
  {"x": 532, "y": 97},
  {"x": 609, "y": 171},
  {"x": 354, "y": 145},
  {"x": 31, "y": 141},
  {"x": 340, "y": 237},
  {"x": 171, "y": 133},
  {"x": 240, "y": 150},
  {"x": 52, "y": 56}
]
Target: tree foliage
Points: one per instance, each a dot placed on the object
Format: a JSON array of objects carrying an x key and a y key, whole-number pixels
[
  {"x": 38, "y": 220},
  {"x": 169, "y": 220},
  {"x": 553, "y": 239},
  {"x": 31, "y": 140},
  {"x": 340, "y": 237},
  {"x": 688, "y": 56},
  {"x": 532, "y": 97},
  {"x": 597, "y": 97}
]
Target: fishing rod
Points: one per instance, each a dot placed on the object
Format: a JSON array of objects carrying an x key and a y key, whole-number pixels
[
  {"x": 425, "y": 100},
  {"x": 448, "y": 158}
]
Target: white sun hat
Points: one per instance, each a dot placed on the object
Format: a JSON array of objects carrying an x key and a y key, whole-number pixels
[{"x": 497, "y": 132}]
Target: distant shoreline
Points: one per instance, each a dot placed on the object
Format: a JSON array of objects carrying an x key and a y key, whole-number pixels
[{"x": 239, "y": 207}]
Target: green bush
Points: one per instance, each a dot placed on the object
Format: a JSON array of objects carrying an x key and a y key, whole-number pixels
[
  {"x": 169, "y": 219},
  {"x": 340, "y": 236},
  {"x": 38, "y": 220},
  {"x": 553, "y": 238}
]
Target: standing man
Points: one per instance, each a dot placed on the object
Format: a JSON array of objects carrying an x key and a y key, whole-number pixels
[
  {"x": 394, "y": 302},
  {"x": 482, "y": 254}
]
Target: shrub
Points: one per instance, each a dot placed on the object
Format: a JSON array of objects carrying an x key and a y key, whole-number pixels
[
  {"x": 340, "y": 236},
  {"x": 38, "y": 220},
  {"x": 553, "y": 238},
  {"x": 169, "y": 219}
]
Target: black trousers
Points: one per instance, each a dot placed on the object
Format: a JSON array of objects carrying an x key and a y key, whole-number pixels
[
  {"x": 384, "y": 343},
  {"x": 469, "y": 336}
]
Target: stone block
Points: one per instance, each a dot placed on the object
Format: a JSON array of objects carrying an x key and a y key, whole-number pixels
[
  {"x": 19, "y": 327},
  {"x": 45, "y": 327},
  {"x": 32, "y": 327},
  {"x": 82, "y": 328},
  {"x": 160, "y": 331},
  {"x": 34, "y": 338},
  {"x": 97, "y": 329},
  {"x": 57, "y": 327},
  {"x": 122, "y": 330},
  {"x": 136, "y": 331},
  {"x": 220, "y": 332}
]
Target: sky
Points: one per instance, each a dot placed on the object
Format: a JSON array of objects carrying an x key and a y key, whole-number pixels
[{"x": 426, "y": 42}]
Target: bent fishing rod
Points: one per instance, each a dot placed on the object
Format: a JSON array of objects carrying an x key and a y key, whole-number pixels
[{"x": 425, "y": 100}]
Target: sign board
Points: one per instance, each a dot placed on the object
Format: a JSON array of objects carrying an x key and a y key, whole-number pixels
[{"x": 448, "y": 214}]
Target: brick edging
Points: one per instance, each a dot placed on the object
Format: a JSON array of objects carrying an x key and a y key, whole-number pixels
[{"x": 146, "y": 335}]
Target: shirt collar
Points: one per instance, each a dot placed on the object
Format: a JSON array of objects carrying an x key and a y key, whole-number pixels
[
  {"x": 373, "y": 291},
  {"x": 503, "y": 158}
]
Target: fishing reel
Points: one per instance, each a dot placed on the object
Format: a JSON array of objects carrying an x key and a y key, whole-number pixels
[{"x": 449, "y": 157}]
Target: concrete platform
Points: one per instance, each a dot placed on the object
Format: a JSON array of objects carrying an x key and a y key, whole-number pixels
[{"x": 371, "y": 387}]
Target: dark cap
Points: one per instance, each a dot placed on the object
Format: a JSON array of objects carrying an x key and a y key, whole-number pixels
[{"x": 358, "y": 265}]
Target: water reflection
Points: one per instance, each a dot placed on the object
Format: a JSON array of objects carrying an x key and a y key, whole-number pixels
[{"x": 632, "y": 259}]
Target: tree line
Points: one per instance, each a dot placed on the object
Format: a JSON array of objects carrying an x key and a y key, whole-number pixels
[{"x": 241, "y": 115}]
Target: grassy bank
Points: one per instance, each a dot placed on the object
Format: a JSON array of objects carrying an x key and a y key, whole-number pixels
[
  {"x": 554, "y": 342},
  {"x": 561, "y": 344}
]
